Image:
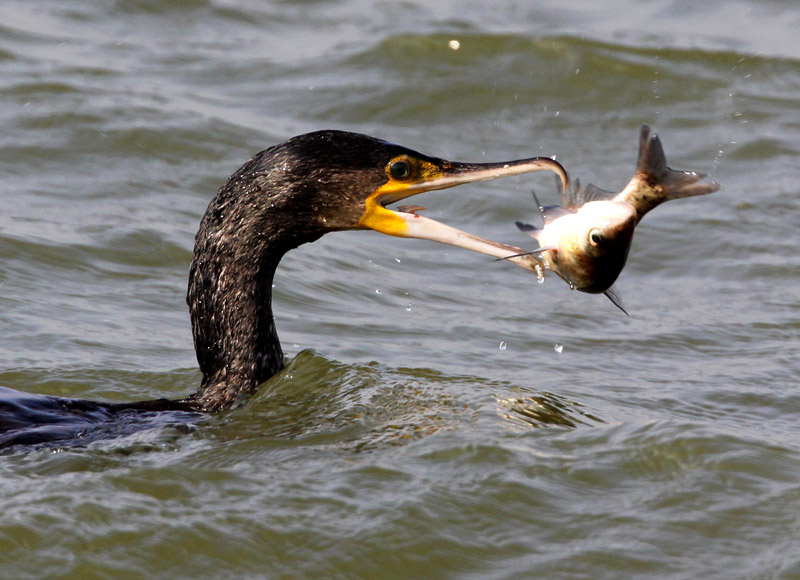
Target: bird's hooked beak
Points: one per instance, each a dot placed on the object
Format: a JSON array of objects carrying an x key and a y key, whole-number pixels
[{"x": 424, "y": 175}]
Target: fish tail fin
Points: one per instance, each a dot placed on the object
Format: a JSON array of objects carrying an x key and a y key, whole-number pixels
[{"x": 655, "y": 182}]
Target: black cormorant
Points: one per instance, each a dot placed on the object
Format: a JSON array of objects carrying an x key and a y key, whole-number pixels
[{"x": 285, "y": 196}]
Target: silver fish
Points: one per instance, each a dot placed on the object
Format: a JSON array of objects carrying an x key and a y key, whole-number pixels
[{"x": 586, "y": 239}]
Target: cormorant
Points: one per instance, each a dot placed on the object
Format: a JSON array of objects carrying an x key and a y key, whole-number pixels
[{"x": 285, "y": 196}]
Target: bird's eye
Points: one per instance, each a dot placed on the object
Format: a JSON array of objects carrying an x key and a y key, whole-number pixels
[
  {"x": 595, "y": 237},
  {"x": 400, "y": 170}
]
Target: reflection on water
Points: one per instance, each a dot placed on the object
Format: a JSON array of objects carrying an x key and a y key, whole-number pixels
[
  {"x": 322, "y": 402},
  {"x": 545, "y": 409}
]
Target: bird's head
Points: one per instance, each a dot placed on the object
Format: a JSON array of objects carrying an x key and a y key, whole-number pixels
[
  {"x": 336, "y": 180},
  {"x": 291, "y": 194}
]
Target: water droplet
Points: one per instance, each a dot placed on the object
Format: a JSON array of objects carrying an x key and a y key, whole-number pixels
[
  {"x": 408, "y": 307},
  {"x": 558, "y": 348},
  {"x": 539, "y": 273},
  {"x": 503, "y": 345},
  {"x": 378, "y": 291}
]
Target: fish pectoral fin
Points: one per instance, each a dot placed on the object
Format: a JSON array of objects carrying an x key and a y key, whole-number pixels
[
  {"x": 536, "y": 199},
  {"x": 613, "y": 295},
  {"x": 527, "y": 228}
]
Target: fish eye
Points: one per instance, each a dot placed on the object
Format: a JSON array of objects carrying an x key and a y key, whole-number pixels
[
  {"x": 400, "y": 170},
  {"x": 595, "y": 237}
]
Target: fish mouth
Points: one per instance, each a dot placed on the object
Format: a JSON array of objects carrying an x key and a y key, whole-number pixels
[{"x": 405, "y": 221}]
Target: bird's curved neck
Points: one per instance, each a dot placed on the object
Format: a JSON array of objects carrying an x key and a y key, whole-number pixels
[
  {"x": 230, "y": 300},
  {"x": 234, "y": 331}
]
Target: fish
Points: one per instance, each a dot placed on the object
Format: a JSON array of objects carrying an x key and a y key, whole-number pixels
[{"x": 586, "y": 239}]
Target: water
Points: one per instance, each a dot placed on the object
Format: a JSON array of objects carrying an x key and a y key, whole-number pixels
[{"x": 406, "y": 444}]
